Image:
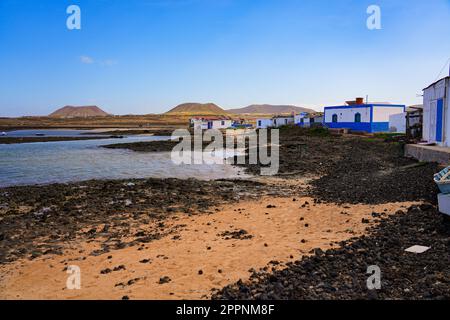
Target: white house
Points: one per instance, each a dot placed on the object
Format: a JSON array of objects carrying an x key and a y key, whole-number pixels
[
  {"x": 310, "y": 120},
  {"x": 198, "y": 123},
  {"x": 370, "y": 118},
  {"x": 211, "y": 123},
  {"x": 436, "y": 116},
  {"x": 279, "y": 121},
  {"x": 264, "y": 123},
  {"x": 298, "y": 118}
]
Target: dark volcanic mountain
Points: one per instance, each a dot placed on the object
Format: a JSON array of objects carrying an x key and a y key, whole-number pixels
[
  {"x": 79, "y": 112},
  {"x": 198, "y": 109},
  {"x": 269, "y": 109}
]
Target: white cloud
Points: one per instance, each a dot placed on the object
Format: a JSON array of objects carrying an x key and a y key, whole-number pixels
[
  {"x": 104, "y": 63},
  {"x": 109, "y": 62},
  {"x": 86, "y": 60}
]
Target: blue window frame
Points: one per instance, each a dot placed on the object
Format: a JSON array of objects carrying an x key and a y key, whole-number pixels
[
  {"x": 358, "y": 117},
  {"x": 334, "y": 118}
]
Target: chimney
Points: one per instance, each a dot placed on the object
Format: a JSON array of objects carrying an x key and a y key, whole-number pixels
[{"x": 359, "y": 101}]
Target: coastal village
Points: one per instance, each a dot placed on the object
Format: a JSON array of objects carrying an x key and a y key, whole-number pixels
[{"x": 361, "y": 184}]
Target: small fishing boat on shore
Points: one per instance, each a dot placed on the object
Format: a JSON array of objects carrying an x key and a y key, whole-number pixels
[{"x": 442, "y": 179}]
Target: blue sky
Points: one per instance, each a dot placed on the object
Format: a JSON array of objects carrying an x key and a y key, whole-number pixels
[{"x": 146, "y": 56}]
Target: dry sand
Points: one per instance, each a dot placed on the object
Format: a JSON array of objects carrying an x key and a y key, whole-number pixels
[{"x": 277, "y": 235}]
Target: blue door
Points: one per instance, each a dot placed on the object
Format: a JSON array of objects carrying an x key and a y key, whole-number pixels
[{"x": 439, "y": 120}]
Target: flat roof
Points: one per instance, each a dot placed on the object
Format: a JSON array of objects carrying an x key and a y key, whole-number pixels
[{"x": 365, "y": 106}]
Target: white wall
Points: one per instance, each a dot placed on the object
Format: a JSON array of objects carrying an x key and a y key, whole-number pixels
[
  {"x": 297, "y": 119},
  {"x": 279, "y": 122},
  {"x": 348, "y": 115},
  {"x": 430, "y": 95},
  {"x": 381, "y": 114},
  {"x": 199, "y": 124},
  {"x": 265, "y": 123},
  {"x": 217, "y": 124},
  {"x": 397, "y": 122}
]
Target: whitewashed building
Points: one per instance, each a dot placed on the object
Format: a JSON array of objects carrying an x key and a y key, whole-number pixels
[
  {"x": 211, "y": 123},
  {"x": 369, "y": 118},
  {"x": 311, "y": 120},
  {"x": 298, "y": 118},
  {"x": 264, "y": 123},
  {"x": 280, "y": 121},
  {"x": 436, "y": 115}
]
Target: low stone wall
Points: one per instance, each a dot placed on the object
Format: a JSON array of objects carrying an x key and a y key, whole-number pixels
[{"x": 440, "y": 155}]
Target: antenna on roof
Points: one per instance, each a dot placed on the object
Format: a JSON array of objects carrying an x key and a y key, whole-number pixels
[{"x": 447, "y": 62}]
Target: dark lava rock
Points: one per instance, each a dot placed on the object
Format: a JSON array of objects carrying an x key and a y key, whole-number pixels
[
  {"x": 239, "y": 235},
  {"x": 374, "y": 172},
  {"x": 164, "y": 280},
  {"x": 106, "y": 271},
  {"x": 118, "y": 268},
  {"x": 145, "y": 261}
]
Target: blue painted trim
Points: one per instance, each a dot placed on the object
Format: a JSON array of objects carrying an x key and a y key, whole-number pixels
[
  {"x": 380, "y": 127},
  {"x": 371, "y": 114},
  {"x": 361, "y": 126},
  {"x": 370, "y": 127},
  {"x": 439, "y": 114}
]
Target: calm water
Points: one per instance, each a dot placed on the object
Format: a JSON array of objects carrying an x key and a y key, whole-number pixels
[
  {"x": 49, "y": 133},
  {"x": 68, "y": 161}
]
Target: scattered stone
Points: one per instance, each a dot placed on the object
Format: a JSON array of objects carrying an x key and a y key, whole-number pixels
[
  {"x": 417, "y": 249},
  {"x": 238, "y": 235},
  {"x": 164, "y": 280},
  {"x": 119, "y": 268},
  {"x": 145, "y": 261},
  {"x": 106, "y": 271}
]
